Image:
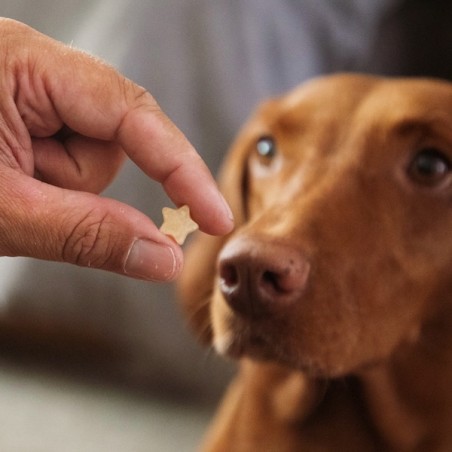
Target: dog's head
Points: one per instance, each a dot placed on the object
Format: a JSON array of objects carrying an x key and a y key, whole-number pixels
[{"x": 342, "y": 193}]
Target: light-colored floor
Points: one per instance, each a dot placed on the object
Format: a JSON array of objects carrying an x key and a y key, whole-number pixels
[{"x": 41, "y": 411}]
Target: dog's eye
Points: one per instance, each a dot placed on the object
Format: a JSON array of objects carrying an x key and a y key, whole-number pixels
[
  {"x": 266, "y": 148},
  {"x": 429, "y": 167}
]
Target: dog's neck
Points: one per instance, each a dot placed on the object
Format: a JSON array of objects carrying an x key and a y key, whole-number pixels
[{"x": 409, "y": 396}]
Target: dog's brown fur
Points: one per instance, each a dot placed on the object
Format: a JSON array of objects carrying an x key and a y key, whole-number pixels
[{"x": 359, "y": 358}]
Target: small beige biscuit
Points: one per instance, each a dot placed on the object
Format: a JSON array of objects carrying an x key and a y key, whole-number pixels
[{"x": 177, "y": 223}]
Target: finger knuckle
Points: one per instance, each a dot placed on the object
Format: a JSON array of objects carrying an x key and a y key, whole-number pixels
[{"x": 89, "y": 242}]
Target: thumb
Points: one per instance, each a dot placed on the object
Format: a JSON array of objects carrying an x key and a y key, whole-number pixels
[{"x": 46, "y": 222}]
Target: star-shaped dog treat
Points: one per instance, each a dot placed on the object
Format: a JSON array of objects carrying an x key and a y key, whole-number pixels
[{"x": 177, "y": 223}]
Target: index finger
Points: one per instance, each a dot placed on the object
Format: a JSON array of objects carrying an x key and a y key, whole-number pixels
[{"x": 157, "y": 146}]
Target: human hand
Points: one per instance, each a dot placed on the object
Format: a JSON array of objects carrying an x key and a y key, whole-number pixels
[{"x": 67, "y": 121}]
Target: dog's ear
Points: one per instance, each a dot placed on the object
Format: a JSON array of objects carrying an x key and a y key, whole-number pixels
[{"x": 197, "y": 280}]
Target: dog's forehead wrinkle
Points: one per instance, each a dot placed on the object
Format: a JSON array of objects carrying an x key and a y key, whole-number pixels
[
  {"x": 325, "y": 97},
  {"x": 419, "y": 103}
]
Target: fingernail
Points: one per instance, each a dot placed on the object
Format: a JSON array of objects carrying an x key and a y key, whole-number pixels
[
  {"x": 227, "y": 209},
  {"x": 151, "y": 261}
]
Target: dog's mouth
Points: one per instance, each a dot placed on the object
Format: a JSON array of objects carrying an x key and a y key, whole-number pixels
[
  {"x": 237, "y": 338},
  {"x": 245, "y": 341},
  {"x": 236, "y": 343}
]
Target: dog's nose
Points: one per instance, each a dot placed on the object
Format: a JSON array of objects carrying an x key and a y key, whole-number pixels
[{"x": 259, "y": 277}]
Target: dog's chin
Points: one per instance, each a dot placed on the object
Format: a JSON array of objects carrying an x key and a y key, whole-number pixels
[
  {"x": 243, "y": 341},
  {"x": 238, "y": 345}
]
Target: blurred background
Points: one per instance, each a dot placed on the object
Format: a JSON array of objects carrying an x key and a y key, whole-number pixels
[{"x": 91, "y": 361}]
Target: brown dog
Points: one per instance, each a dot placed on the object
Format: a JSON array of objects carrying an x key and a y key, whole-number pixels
[{"x": 335, "y": 289}]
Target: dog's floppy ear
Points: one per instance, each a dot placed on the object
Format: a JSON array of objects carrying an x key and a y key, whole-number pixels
[{"x": 197, "y": 280}]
